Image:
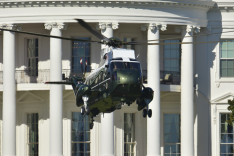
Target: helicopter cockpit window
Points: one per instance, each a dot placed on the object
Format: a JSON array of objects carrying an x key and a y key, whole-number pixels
[
  {"x": 125, "y": 66},
  {"x": 135, "y": 66},
  {"x": 117, "y": 66}
]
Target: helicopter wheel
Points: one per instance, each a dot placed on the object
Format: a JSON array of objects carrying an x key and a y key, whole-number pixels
[
  {"x": 91, "y": 125},
  {"x": 149, "y": 113},
  {"x": 144, "y": 113},
  {"x": 87, "y": 111},
  {"x": 82, "y": 110}
]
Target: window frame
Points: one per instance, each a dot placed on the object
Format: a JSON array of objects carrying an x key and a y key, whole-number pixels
[
  {"x": 26, "y": 55},
  {"x": 90, "y": 53},
  {"x": 216, "y": 110},
  {"x": 164, "y": 133},
  {"x": 218, "y": 78},
  {"x": 167, "y": 111},
  {"x": 28, "y": 133},
  {"x": 67, "y": 117},
  {"x": 180, "y": 51},
  {"x": 135, "y": 143},
  {"x": 84, "y": 142}
]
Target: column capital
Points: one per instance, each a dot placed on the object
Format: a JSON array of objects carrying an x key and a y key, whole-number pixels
[
  {"x": 10, "y": 26},
  {"x": 188, "y": 28},
  {"x": 61, "y": 26},
  {"x": 153, "y": 26},
  {"x": 104, "y": 25}
]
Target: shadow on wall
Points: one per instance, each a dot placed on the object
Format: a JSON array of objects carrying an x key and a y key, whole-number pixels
[{"x": 205, "y": 57}]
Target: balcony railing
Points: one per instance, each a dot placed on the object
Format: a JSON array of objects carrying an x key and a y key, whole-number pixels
[
  {"x": 38, "y": 76},
  {"x": 166, "y": 77},
  {"x": 42, "y": 76}
]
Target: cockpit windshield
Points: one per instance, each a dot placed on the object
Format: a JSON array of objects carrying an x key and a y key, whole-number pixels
[{"x": 125, "y": 65}]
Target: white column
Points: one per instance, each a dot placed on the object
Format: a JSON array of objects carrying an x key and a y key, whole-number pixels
[
  {"x": 9, "y": 93},
  {"x": 107, "y": 29},
  {"x": 153, "y": 71},
  {"x": 56, "y": 92},
  {"x": 187, "y": 92},
  {"x": 107, "y": 122}
]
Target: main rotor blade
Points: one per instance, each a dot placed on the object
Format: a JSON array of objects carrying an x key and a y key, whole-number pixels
[
  {"x": 181, "y": 43},
  {"x": 91, "y": 30},
  {"x": 51, "y": 36},
  {"x": 141, "y": 42}
]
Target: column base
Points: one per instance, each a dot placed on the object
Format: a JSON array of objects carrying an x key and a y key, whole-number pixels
[{"x": 107, "y": 155}]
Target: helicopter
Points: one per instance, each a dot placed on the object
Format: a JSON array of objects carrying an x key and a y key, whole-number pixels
[{"x": 118, "y": 80}]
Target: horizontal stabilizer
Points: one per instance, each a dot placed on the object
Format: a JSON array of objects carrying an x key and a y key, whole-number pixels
[{"x": 60, "y": 82}]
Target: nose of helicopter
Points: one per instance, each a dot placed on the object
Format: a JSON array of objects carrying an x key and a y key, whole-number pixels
[
  {"x": 128, "y": 84},
  {"x": 129, "y": 77}
]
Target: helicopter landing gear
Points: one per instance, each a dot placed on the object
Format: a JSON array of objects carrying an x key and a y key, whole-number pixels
[
  {"x": 146, "y": 112},
  {"x": 91, "y": 124},
  {"x": 85, "y": 107}
]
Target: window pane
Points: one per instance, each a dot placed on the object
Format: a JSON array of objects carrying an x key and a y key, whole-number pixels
[
  {"x": 167, "y": 63},
  {"x": 230, "y": 138},
  {"x": 223, "y": 72},
  {"x": 223, "y": 63},
  {"x": 174, "y": 54},
  {"x": 223, "y": 53},
  {"x": 167, "y": 118},
  {"x": 167, "y": 128},
  {"x": 223, "y": 118},
  {"x": 223, "y": 138},
  {"x": 230, "y": 53},
  {"x": 167, "y": 138},
  {"x": 223, "y": 45},
  {"x": 167, "y": 148},
  {"x": 230, "y": 45},
  {"x": 167, "y": 54},
  {"x": 230, "y": 63},
  {"x": 230, "y": 72},
  {"x": 174, "y": 118},
  {"x": 224, "y": 128},
  {"x": 173, "y": 148}
]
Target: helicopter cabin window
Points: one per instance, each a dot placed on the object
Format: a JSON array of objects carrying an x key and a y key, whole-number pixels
[
  {"x": 80, "y": 135},
  {"x": 227, "y": 59},
  {"x": 128, "y": 39},
  {"x": 125, "y": 65},
  {"x": 129, "y": 134},
  {"x": 32, "y": 126},
  {"x": 172, "y": 56},
  {"x": 80, "y": 57},
  {"x": 32, "y": 57}
]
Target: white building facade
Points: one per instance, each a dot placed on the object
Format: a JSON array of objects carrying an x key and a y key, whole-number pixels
[{"x": 189, "y": 107}]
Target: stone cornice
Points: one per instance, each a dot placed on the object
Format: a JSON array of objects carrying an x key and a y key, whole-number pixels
[{"x": 90, "y": 3}]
